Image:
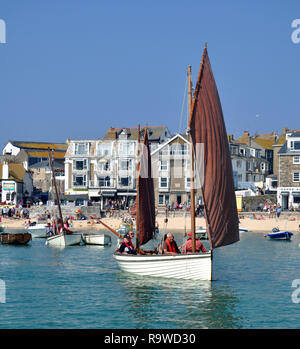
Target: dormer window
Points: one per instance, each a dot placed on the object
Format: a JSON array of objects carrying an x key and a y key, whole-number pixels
[{"x": 295, "y": 145}]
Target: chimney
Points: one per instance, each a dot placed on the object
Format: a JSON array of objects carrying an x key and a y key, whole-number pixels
[{"x": 5, "y": 171}]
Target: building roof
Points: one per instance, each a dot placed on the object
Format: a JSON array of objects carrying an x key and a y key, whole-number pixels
[
  {"x": 16, "y": 172},
  {"x": 154, "y": 132},
  {"x": 45, "y": 164},
  {"x": 39, "y": 145}
]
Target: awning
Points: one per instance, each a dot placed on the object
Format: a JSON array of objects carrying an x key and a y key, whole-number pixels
[
  {"x": 108, "y": 193},
  {"x": 77, "y": 197},
  {"x": 126, "y": 194},
  {"x": 296, "y": 193},
  {"x": 284, "y": 193}
]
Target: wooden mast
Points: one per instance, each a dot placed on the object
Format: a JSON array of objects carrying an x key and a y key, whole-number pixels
[
  {"x": 138, "y": 193},
  {"x": 56, "y": 192},
  {"x": 192, "y": 177}
]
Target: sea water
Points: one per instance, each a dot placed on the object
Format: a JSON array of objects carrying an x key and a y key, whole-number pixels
[{"x": 256, "y": 284}]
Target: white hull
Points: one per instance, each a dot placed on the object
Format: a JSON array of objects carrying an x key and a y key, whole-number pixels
[
  {"x": 37, "y": 231},
  {"x": 63, "y": 240},
  {"x": 96, "y": 239},
  {"x": 186, "y": 267}
]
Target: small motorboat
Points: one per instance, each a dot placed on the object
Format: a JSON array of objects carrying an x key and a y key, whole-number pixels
[
  {"x": 96, "y": 239},
  {"x": 243, "y": 230},
  {"x": 201, "y": 233},
  {"x": 280, "y": 235},
  {"x": 2, "y": 228},
  {"x": 37, "y": 230},
  {"x": 15, "y": 239}
]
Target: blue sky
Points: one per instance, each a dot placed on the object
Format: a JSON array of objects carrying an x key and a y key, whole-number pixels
[{"x": 73, "y": 68}]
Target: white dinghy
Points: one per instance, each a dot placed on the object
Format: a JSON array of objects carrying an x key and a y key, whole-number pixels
[
  {"x": 66, "y": 237},
  {"x": 96, "y": 239},
  {"x": 63, "y": 240}
]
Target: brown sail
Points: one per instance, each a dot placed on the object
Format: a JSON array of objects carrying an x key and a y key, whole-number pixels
[
  {"x": 207, "y": 127},
  {"x": 145, "y": 195}
]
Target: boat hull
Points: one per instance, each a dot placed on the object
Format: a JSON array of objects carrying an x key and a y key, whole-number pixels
[
  {"x": 63, "y": 240},
  {"x": 185, "y": 267},
  {"x": 96, "y": 239},
  {"x": 281, "y": 235},
  {"x": 15, "y": 239},
  {"x": 37, "y": 231}
]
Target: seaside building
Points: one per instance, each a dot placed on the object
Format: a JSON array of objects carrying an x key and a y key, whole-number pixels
[
  {"x": 36, "y": 151},
  {"x": 249, "y": 165},
  {"x": 16, "y": 183},
  {"x": 35, "y": 158},
  {"x": 104, "y": 169},
  {"x": 288, "y": 193},
  {"x": 171, "y": 172}
]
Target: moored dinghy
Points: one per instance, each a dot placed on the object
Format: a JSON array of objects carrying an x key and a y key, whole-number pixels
[
  {"x": 96, "y": 239},
  {"x": 15, "y": 238},
  {"x": 65, "y": 237},
  {"x": 62, "y": 240}
]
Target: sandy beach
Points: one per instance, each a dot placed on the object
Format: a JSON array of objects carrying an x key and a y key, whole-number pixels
[{"x": 289, "y": 223}]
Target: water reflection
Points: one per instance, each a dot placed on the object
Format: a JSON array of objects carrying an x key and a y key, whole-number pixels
[{"x": 193, "y": 304}]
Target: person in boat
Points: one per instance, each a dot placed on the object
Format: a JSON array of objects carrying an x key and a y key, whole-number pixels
[
  {"x": 170, "y": 245},
  {"x": 126, "y": 246},
  {"x": 187, "y": 246},
  {"x": 49, "y": 231}
]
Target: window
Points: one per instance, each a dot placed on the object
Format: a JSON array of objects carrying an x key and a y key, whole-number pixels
[
  {"x": 187, "y": 182},
  {"x": 126, "y": 148},
  {"x": 164, "y": 165},
  {"x": 80, "y": 165},
  {"x": 104, "y": 181},
  {"x": 126, "y": 165},
  {"x": 163, "y": 182},
  {"x": 296, "y": 159},
  {"x": 104, "y": 149},
  {"x": 81, "y": 148},
  {"x": 125, "y": 181},
  {"x": 163, "y": 199},
  {"x": 295, "y": 145},
  {"x": 296, "y": 177},
  {"x": 79, "y": 180},
  {"x": 104, "y": 166}
]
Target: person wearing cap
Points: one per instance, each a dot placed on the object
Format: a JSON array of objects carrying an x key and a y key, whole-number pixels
[
  {"x": 170, "y": 246},
  {"x": 126, "y": 246},
  {"x": 187, "y": 246}
]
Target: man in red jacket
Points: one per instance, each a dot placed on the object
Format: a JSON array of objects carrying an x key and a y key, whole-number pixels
[{"x": 187, "y": 246}]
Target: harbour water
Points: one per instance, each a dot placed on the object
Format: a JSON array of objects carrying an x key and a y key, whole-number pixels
[{"x": 82, "y": 287}]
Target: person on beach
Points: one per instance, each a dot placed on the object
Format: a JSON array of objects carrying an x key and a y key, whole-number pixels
[
  {"x": 278, "y": 211},
  {"x": 126, "y": 246},
  {"x": 170, "y": 245},
  {"x": 187, "y": 246}
]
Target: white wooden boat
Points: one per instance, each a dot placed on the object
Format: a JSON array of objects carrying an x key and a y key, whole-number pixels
[
  {"x": 96, "y": 239},
  {"x": 209, "y": 148},
  {"x": 187, "y": 267},
  {"x": 63, "y": 240},
  {"x": 37, "y": 230}
]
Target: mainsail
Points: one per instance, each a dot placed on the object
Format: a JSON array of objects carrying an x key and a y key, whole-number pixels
[
  {"x": 207, "y": 130},
  {"x": 145, "y": 195}
]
